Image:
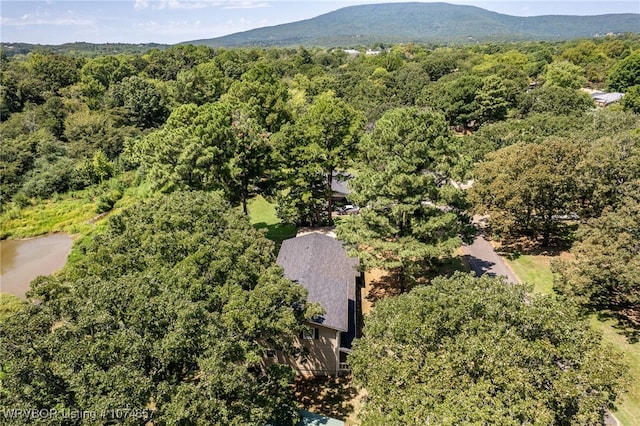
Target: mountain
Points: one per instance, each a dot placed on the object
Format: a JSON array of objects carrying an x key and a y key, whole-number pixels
[{"x": 425, "y": 23}]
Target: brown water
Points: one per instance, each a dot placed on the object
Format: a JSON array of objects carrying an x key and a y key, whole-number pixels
[{"x": 23, "y": 260}]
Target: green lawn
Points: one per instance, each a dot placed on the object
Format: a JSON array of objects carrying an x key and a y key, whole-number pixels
[
  {"x": 263, "y": 216},
  {"x": 536, "y": 270}
]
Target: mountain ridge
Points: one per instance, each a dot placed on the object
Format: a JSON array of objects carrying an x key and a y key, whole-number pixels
[{"x": 424, "y": 23}]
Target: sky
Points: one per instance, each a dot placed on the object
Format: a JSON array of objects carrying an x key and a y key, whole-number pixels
[{"x": 174, "y": 21}]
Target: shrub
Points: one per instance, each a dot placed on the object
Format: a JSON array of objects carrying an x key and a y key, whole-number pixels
[{"x": 108, "y": 200}]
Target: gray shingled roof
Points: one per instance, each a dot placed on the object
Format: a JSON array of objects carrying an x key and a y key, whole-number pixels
[
  {"x": 320, "y": 264},
  {"x": 607, "y": 98},
  {"x": 339, "y": 184}
]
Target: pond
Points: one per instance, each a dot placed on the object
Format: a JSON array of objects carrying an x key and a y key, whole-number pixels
[{"x": 22, "y": 261}]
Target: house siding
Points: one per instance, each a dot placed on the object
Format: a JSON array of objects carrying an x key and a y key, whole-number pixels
[{"x": 323, "y": 356}]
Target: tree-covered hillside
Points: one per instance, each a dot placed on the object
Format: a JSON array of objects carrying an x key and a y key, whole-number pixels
[{"x": 425, "y": 23}]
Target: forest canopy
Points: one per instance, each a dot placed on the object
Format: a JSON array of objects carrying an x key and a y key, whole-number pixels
[
  {"x": 169, "y": 310},
  {"x": 171, "y": 297}
]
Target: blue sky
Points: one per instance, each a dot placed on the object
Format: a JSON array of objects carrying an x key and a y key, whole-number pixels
[{"x": 173, "y": 21}]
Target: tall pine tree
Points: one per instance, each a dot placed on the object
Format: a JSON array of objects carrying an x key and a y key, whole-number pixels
[{"x": 410, "y": 215}]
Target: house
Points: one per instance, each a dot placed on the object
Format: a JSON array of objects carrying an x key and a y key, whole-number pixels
[
  {"x": 605, "y": 99},
  {"x": 320, "y": 264},
  {"x": 339, "y": 185}
]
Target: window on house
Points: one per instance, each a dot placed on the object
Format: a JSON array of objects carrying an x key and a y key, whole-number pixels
[
  {"x": 271, "y": 353},
  {"x": 310, "y": 334}
]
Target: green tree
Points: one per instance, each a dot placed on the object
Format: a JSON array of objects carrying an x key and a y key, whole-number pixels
[
  {"x": 468, "y": 350},
  {"x": 555, "y": 100},
  {"x": 614, "y": 48},
  {"x": 17, "y": 157},
  {"x": 631, "y": 99},
  {"x": 457, "y": 98},
  {"x": 100, "y": 73},
  {"x": 564, "y": 74},
  {"x": 492, "y": 100},
  {"x": 9, "y": 304},
  {"x": 610, "y": 164},
  {"x": 192, "y": 151},
  {"x": 51, "y": 115},
  {"x": 108, "y": 70},
  {"x": 233, "y": 62},
  {"x": 54, "y": 71},
  {"x": 408, "y": 82},
  {"x": 534, "y": 128},
  {"x": 527, "y": 188},
  {"x": 625, "y": 73},
  {"x": 138, "y": 101},
  {"x": 170, "y": 307},
  {"x": 581, "y": 54},
  {"x": 11, "y": 99},
  {"x": 87, "y": 131},
  {"x": 250, "y": 157},
  {"x": 604, "y": 269},
  {"x": 52, "y": 176},
  {"x": 166, "y": 64},
  {"x": 366, "y": 90},
  {"x": 213, "y": 146},
  {"x": 441, "y": 62},
  {"x": 262, "y": 95},
  {"x": 22, "y": 85},
  {"x": 409, "y": 216},
  {"x": 201, "y": 84},
  {"x": 102, "y": 167},
  {"x": 321, "y": 143},
  {"x": 539, "y": 57}
]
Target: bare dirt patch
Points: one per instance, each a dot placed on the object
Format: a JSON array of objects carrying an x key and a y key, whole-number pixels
[
  {"x": 335, "y": 397},
  {"x": 378, "y": 284}
]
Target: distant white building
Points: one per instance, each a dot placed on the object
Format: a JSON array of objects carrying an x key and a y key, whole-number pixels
[
  {"x": 604, "y": 99},
  {"x": 351, "y": 51}
]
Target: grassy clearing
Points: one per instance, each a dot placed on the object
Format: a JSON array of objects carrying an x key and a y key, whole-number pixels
[
  {"x": 68, "y": 213},
  {"x": 536, "y": 270},
  {"x": 73, "y": 213},
  {"x": 263, "y": 216},
  {"x": 9, "y": 304}
]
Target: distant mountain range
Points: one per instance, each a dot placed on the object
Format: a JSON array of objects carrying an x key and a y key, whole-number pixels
[{"x": 425, "y": 23}]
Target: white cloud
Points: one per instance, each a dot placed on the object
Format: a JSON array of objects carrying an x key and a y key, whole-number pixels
[
  {"x": 181, "y": 30},
  {"x": 141, "y": 4},
  {"x": 246, "y": 5},
  {"x": 198, "y": 4},
  {"x": 27, "y": 20}
]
